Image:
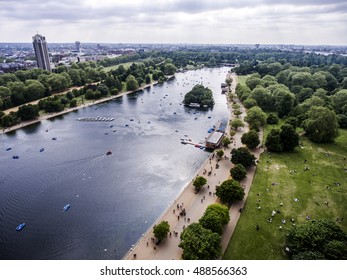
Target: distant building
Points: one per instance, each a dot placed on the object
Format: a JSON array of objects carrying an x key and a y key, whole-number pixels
[
  {"x": 41, "y": 52},
  {"x": 78, "y": 46}
]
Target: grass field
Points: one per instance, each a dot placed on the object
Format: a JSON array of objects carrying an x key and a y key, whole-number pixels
[
  {"x": 126, "y": 66},
  {"x": 282, "y": 185}
]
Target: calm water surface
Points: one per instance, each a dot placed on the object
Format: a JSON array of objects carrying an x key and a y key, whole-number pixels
[{"x": 114, "y": 199}]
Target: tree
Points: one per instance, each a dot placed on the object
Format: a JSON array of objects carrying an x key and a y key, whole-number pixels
[
  {"x": 255, "y": 117},
  {"x": 161, "y": 230},
  {"x": 33, "y": 90},
  {"x": 339, "y": 101},
  {"x": 28, "y": 112},
  {"x": 321, "y": 125},
  {"x": 285, "y": 105},
  {"x": 242, "y": 156},
  {"x": 212, "y": 222},
  {"x": 242, "y": 91},
  {"x": 59, "y": 82},
  {"x": 148, "y": 79},
  {"x": 236, "y": 123},
  {"x": 230, "y": 191},
  {"x": 221, "y": 210},
  {"x": 219, "y": 153},
  {"x": 292, "y": 121},
  {"x": 198, "y": 183},
  {"x": 199, "y": 243},
  {"x": 315, "y": 238},
  {"x": 272, "y": 119},
  {"x": 263, "y": 97},
  {"x": 215, "y": 217},
  {"x": 342, "y": 119},
  {"x": 10, "y": 119},
  {"x": 273, "y": 140},
  {"x": 238, "y": 172},
  {"x": 249, "y": 103},
  {"x": 17, "y": 89},
  {"x": 252, "y": 82},
  {"x": 73, "y": 103},
  {"x": 169, "y": 69},
  {"x": 226, "y": 141},
  {"x": 131, "y": 83},
  {"x": 289, "y": 138},
  {"x": 250, "y": 139}
]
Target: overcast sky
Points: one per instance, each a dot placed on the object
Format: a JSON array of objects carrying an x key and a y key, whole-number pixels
[{"x": 176, "y": 21}]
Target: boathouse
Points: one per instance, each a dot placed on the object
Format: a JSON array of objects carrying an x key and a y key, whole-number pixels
[{"x": 214, "y": 140}]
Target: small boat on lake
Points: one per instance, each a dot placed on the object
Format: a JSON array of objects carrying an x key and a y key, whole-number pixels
[
  {"x": 66, "y": 207},
  {"x": 8, "y": 149},
  {"x": 20, "y": 226},
  {"x": 109, "y": 153},
  {"x": 41, "y": 150},
  {"x": 54, "y": 138},
  {"x": 15, "y": 157}
]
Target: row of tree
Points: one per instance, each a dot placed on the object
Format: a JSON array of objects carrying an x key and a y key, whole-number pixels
[
  {"x": 202, "y": 240},
  {"x": 113, "y": 83},
  {"x": 28, "y": 85}
]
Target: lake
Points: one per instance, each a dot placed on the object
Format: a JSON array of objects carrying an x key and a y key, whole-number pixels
[{"x": 114, "y": 198}]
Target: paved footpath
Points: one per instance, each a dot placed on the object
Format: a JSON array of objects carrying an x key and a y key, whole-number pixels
[{"x": 195, "y": 204}]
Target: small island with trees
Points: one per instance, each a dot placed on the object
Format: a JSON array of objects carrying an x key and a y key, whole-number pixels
[{"x": 199, "y": 96}]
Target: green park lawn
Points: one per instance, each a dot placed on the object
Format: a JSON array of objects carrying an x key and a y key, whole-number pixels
[
  {"x": 280, "y": 178},
  {"x": 126, "y": 66}
]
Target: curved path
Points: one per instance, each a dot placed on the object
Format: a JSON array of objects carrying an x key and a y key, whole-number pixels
[{"x": 195, "y": 204}]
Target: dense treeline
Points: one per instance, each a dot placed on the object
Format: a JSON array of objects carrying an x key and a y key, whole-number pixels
[
  {"x": 286, "y": 82},
  {"x": 249, "y": 59},
  {"x": 110, "y": 83},
  {"x": 28, "y": 85},
  {"x": 315, "y": 98}
]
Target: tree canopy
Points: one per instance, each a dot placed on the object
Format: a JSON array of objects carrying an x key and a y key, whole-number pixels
[
  {"x": 215, "y": 217},
  {"x": 199, "y": 182},
  {"x": 161, "y": 230},
  {"x": 199, "y": 243},
  {"x": 230, "y": 191},
  {"x": 250, "y": 139},
  {"x": 321, "y": 125},
  {"x": 255, "y": 117},
  {"x": 242, "y": 156},
  {"x": 317, "y": 239},
  {"x": 238, "y": 172},
  {"x": 236, "y": 123},
  {"x": 283, "y": 139},
  {"x": 28, "y": 112},
  {"x": 200, "y": 95}
]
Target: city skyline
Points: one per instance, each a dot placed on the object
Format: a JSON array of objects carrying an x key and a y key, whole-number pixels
[{"x": 310, "y": 22}]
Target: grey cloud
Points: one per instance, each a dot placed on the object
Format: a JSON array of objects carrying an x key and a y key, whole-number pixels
[{"x": 77, "y": 10}]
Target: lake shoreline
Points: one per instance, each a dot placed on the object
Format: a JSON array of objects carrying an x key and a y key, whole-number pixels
[
  {"x": 194, "y": 205},
  {"x": 65, "y": 111}
]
